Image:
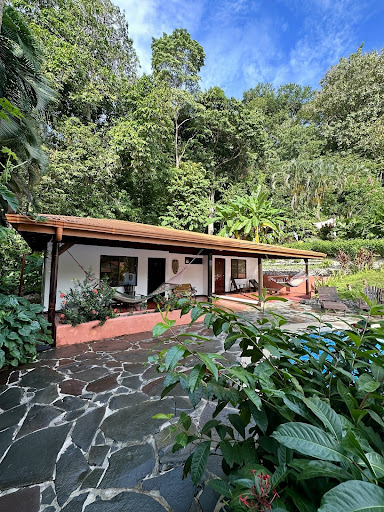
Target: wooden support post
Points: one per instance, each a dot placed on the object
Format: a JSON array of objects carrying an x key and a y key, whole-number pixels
[
  {"x": 209, "y": 277},
  {"x": 307, "y": 290},
  {"x": 53, "y": 288},
  {"x": 260, "y": 275},
  {"x": 65, "y": 247}
]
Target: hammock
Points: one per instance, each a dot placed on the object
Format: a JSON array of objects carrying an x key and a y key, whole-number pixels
[
  {"x": 127, "y": 299},
  {"x": 295, "y": 280}
]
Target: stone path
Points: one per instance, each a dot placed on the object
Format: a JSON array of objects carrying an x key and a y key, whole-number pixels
[{"x": 77, "y": 433}]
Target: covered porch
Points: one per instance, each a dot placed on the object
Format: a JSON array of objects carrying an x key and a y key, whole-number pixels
[{"x": 151, "y": 255}]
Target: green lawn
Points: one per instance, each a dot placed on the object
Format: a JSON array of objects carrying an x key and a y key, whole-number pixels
[{"x": 373, "y": 277}]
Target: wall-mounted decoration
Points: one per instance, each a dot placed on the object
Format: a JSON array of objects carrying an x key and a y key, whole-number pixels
[{"x": 175, "y": 266}]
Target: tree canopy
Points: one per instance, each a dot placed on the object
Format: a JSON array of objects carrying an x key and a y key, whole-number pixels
[{"x": 156, "y": 148}]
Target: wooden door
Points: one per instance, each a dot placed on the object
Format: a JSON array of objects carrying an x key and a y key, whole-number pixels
[
  {"x": 219, "y": 275},
  {"x": 156, "y": 273}
]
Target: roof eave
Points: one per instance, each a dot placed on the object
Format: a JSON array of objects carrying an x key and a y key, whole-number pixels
[{"x": 130, "y": 233}]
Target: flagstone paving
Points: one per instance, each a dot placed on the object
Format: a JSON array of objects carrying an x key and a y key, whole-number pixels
[{"x": 77, "y": 433}]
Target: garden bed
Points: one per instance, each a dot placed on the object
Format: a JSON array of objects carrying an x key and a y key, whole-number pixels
[{"x": 126, "y": 323}]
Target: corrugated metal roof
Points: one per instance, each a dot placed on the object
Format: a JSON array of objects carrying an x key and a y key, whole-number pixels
[{"x": 111, "y": 229}]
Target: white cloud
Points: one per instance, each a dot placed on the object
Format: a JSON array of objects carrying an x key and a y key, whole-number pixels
[
  {"x": 328, "y": 35},
  {"x": 247, "y": 41}
]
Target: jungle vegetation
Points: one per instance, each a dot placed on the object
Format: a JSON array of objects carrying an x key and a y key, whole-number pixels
[{"x": 83, "y": 132}]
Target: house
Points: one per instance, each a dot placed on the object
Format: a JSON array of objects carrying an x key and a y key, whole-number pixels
[{"x": 140, "y": 256}]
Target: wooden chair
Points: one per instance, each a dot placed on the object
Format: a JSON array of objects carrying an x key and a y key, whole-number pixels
[
  {"x": 234, "y": 285},
  {"x": 329, "y": 298},
  {"x": 254, "y": 284}
]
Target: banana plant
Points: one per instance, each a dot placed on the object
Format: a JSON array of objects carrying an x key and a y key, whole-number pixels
[{"x": 249, "y": 217}]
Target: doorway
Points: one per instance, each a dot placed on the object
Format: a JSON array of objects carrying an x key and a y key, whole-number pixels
[
  {"x": 156, "y": 273},
  {"x": 219, "y": 275}
]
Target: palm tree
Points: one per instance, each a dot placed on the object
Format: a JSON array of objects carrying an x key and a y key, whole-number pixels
[
  {"x": 24, "y": 95},
  {"x": 2, "y": 3},
  {"x": 309, "y": 180}
]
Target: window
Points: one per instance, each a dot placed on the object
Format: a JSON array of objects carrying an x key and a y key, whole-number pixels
[
  {"x": 238, "y": 269},
  {"x": 193, "y": 261},
  {"x": 120, "y": 270}
]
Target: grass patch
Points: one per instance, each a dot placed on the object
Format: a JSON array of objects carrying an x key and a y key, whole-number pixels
[{"x": 373, "y": 278}]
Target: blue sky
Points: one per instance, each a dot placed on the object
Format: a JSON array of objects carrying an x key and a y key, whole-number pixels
[{"x": 251, "y": 41}]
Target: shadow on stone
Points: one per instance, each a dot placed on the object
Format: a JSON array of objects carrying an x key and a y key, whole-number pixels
[{"x": 86, "y": 428}]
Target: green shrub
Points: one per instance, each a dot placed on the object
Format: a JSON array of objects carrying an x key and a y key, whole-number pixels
[
  {"x": 171, "y": 302},
  {"x": 356, "y": 282},
  {"x": 332, "y": 247},
  {"x": 305, "y": 429},
  {"x": 88, "y": 300},
  {"x": 22, "y": 328},
  {"x": 325, "y": 263}
]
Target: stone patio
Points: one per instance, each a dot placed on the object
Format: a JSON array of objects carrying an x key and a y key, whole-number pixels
[{"x": 77, "y": 433}]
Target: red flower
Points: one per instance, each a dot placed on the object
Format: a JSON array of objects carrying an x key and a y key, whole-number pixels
[
  {"x": 62, "y": 295},
  {"x": 243, "y": 500},
  {"x": 94, "y": 312},
  {"x": 95, "y": 290},
  {"x": 64, "y": 302},
  {"x": 62, "y": 315},
  {"x": 115, "y": 310},
  {"x": 106, "y": 317}
]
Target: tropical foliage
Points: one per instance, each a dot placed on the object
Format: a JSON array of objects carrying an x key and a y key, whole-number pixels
[
  {"x": 25, "y": 94},
  {"x": 172, "y": 300},
  {"x": 140, "y": 148},
  {"x": 298, "y": 421},
  {"x": 88, "y": 300},
  {"x": 251, "y": 217},
  {"x": 22, "y": 328},
  {"x": 333, "y": 247},
  {"x": 158, "y": 149},
  {"x": 190, "y": 206}
]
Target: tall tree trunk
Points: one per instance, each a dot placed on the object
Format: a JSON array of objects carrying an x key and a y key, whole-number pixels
[
  {"x": 212, "y": 200},
  {"x": 2, "y": 3},
  {"x": 177, "y": 160}
]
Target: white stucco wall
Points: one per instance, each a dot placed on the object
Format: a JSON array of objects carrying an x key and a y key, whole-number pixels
[
  {"x": 89, "y": 256},
  {"x": 251, "y": 271}
]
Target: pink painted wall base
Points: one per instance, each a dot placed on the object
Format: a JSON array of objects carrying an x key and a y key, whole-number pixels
[
  {"x": 284, "y": 291},
  {"x": 123, "y": 324}
]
